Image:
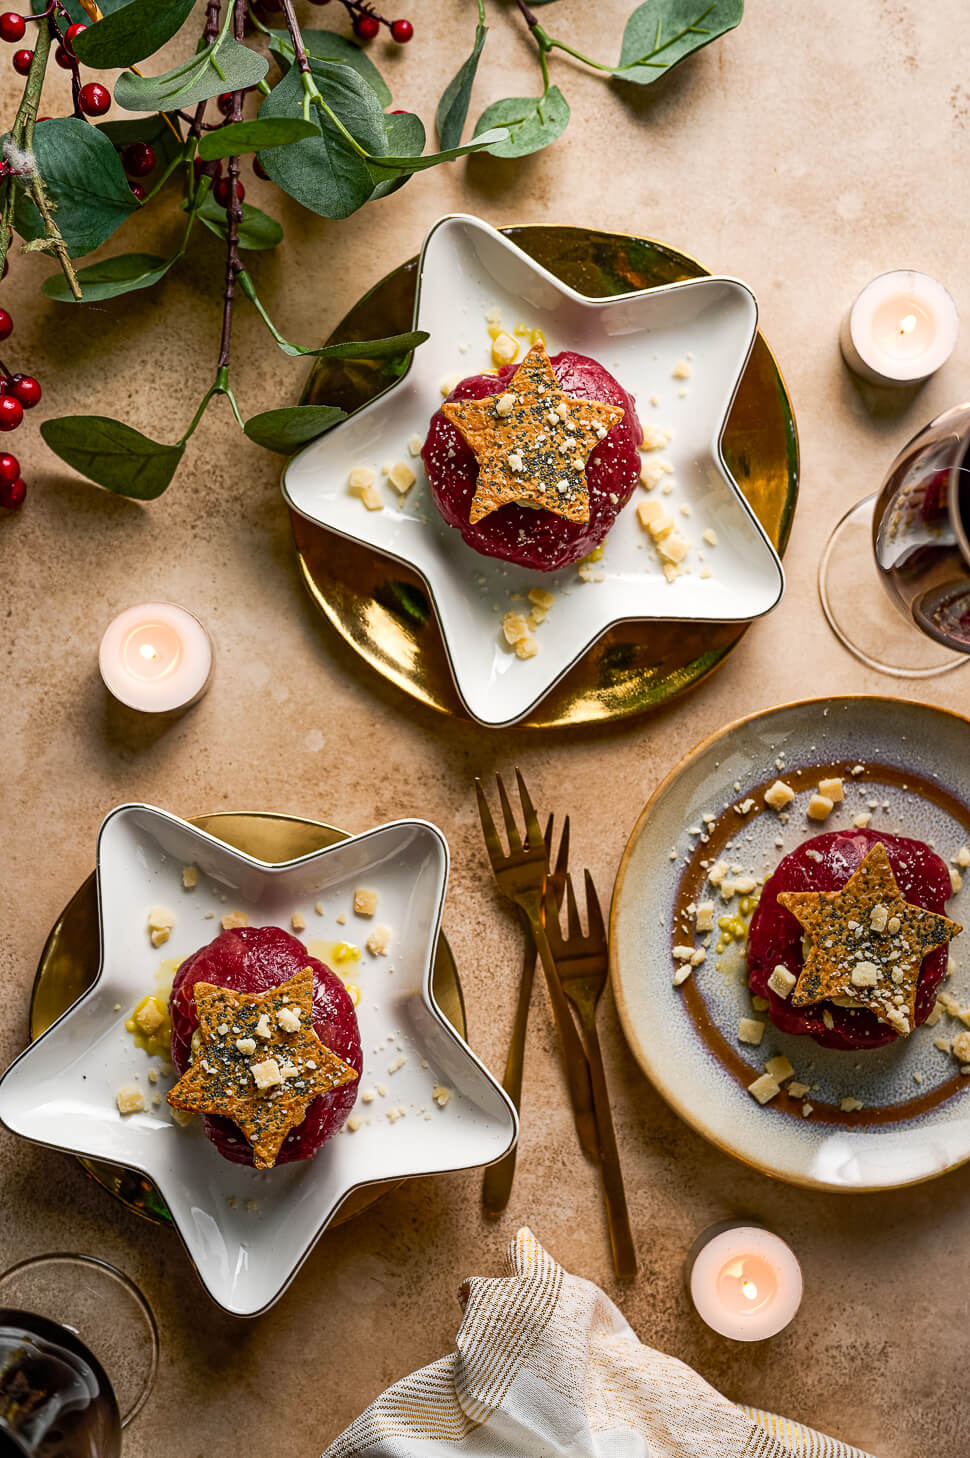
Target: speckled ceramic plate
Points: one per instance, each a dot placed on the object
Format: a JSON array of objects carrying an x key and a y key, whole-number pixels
[
  {"x": 914, "y": 1118},
  {"x": 382, "y": 609}
]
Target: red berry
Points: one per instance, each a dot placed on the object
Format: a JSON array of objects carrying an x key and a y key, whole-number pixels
[
  {"x": 11, "y": 412},
  {"x": 260, "y": 170},
  {"x": 366, "y": 27},
  {"x": 12, "y": 494},
  {"x": 71, "y": 32},
  {"x": 9, "y": 469},
  {"x": 64, "y": 58},
  {"x": 6, "y": 324},
  {"x": 137, "y": 191},
  {"x": 12, "y": 27},
  {"x": 27, "y": 390},
  {"x": 224, "y": 102},
  {"x": 21, "y": 62},
  {"x": 222, "y": 191},
  {"x": 138, "y": 159},
  {"x": 94, "y": 99},
  {"x": 401, "y": 31}
]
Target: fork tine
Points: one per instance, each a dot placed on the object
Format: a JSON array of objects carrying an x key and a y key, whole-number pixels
[
  {"x": 562, "y": 859},
  {"x": 573, "y": 926},
  {"x": 492, "y": 843},
  {"x": 594, "y": 914},
  {"x": 529, "y": 810},
  {"x": 548, "y": 836},
  {"x": 551, "y": 907},
  {"x": 512, "y": 830}
]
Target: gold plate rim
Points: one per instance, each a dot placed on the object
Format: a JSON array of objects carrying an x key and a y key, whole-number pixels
[
  {"x": 554, "y": 710},
  {"x": 446, "y": 983},
  {"x": 633, "y": 1041}
]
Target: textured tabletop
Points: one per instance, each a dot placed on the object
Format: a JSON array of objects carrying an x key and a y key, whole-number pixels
[{"x": 809, "y": 150}]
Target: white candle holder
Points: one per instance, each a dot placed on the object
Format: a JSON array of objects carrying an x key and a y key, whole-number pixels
[
  {"x": 156, "y": 658},
  {"x": 900, "y": 330},
  {"x": 744, "y": 1281}
]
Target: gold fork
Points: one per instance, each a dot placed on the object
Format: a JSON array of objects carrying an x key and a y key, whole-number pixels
[
  {"x": 582, "y": 963},
  {"x": 521, "y": 876},
  {"x": 497, "y": 1182}
]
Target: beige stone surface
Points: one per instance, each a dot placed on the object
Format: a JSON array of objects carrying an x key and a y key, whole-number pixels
[{"x": 813, "y": 148}]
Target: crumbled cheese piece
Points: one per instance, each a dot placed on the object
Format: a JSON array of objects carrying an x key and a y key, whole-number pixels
[
  {"x": 681, "y": 370},
  {"x": 779, "y": 1068},
  {"x": 654, "y": 438},
  {"x": 398, "y": 1064},
  {"x": 526, "y": 648},
  {"x": 365, "y": 902},
  {"x": 778, "y": 795},
  {"x": 797, "y": 1090},
  {"x": 827, "y": 1018},
  {"x": 401, "y": 477},
  {"x": 706, "y": 572},
  {"x": 961, "y": 1047},
  {"x": 190, "y": 877},
  {"x": 515, "y": 627},
  {"x": 354, "y": 1123},
  {"x": 704, "y": 920},
  {"x": 289, "y": 1019},
  {"x": 160, "y": 923},
  {"x": 288, "y": 1070},
  {"x": 760, "y": 1004},
  {"x": 782, "y": 981},
  {"x": 449, "y": 383},
  {"x": 936, "y": 1013},
  {"x": 130, "y": 1100},
  {"x": 710, "y": 537},
  {"x": 820, "y": 807},
  {"x": 246, "y": 1046},
  {"x": 233, "y": 919},
  {"x": 153, "y": 1075},
  {"x": 266, "y": 1074},
  {"x": 414, "y": 444},
  {"x": 849, "y": 1105},
  {"x": 342, "y": 919},
  {"x": 505, "y": 403},
  {"x": 182, "y": 1117},
  {"x": 832, "y": 790},
  {"x": 441, "y": 1093},
  {"x": 744, "y": 885},
  {"x": 750, "y": 1030},
  {"x": 673, "y": 547},
  {"x": 683, "y": 953},
  {"x": 298, "y": 922},
  {"x": 263, "y": 1029},
  {"x": 879, "y": 918},
  {"x": 651, "y": 474},
  {"x": 861, "y": 820},
  {"x": 368, "y": 1096},
  {"x": 361, "y": 483},
  {"x": 149, "y": 1018},
  {"x": 318, "y": 907},
  {"x": 717, "y": 872},
  {"x": 379, "y": 941},
  {"x": 807, "y": 1109},
  {"x": 654, "y": 519},
  {"x": 857, "y": 769},
  {"x": 962, "y": 857},
  {"x": 764, "y": 1088},
  {"x": 541, "y": 599},
  {"x": 956, "y": 880},
  {"x": 589, "y": 572},
  {"x": 504, "y": 348}
]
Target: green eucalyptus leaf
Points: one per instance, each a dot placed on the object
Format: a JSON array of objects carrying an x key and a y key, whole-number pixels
[
  {"x": 453, "y": 106},
  {"x": 75, "y": 9},
  {"x": 110, "y": 278},
  {"x": 481, "y": 141},
  {"x": 405, "y": 138},
  {"x": 325, "y": 174},
  {"x": 251, "y": 136},
  {"x": 327, "y": 45},
  {"x": 85, "y": 182},
  {"x": 152, "y": 128},
  {"x": 257, "y": 230},
  {"x": 660, "y": 33},
  {"x": 137, "y": 30},
  {"x": 227, "y": 65},
  {"x": 294, "y": 426},
  {"x": 532, "y": 121},
  {"x": 392, "y": 346},
  {"x": 114, "y": 455}
]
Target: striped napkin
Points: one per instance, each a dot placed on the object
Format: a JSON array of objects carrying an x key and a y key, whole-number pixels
[{"x": 546, "y": 1366}]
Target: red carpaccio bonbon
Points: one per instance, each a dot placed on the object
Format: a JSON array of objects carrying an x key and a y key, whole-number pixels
[
  {"x": 540, "y": 540},
  {"x": 253, "y": 959},
  {"x": 776, "y": 936}
]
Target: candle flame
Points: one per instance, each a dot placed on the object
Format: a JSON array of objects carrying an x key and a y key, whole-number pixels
[
  {"x": 907, "y": 324},
  {"x": 147, "y": 650},
  {"x": 749, "y": 1290}
]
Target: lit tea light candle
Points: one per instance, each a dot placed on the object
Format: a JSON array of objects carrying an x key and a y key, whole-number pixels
[
  {"x": 900, "y": 330},
  {"x": 745, "y": 1282},
  {"x": 156, "y": 657}
]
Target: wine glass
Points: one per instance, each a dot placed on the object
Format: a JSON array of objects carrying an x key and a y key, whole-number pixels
[
  {"x": 917, "y": 527},
  {"x": 78, "y": 1356}
]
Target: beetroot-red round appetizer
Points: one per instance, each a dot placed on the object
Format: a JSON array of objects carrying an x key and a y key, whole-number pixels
[
  {"x": 259, "y": 1049},
  {"x": 849, "y": 941},
  {"x": 534, "y": 463}
]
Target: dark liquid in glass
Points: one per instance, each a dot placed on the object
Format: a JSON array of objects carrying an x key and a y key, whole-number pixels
[{"x": 55, "y": 1399}]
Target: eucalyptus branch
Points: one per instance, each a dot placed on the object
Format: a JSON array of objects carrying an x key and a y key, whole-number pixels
[
  {"x": 234, "y": 263},
  {"x": 296, "y": 38},
  {"x": 209, "y": 33}
]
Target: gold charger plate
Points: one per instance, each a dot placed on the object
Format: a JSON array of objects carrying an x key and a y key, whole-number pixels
[
  {"x": 70, "y": 959},
  {"x": 381, "y": 608}
]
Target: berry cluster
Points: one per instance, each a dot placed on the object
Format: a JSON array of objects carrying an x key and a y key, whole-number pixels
[
  {"x": 365, "y": 19},
  {"x": 93, "y": 99},
  {"x": 17, "y": 394}
]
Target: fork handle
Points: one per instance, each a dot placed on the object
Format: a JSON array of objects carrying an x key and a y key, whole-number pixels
[
  {"x": 574, "y": 1057},
  {"x": 497, "y": 1182},
  {"x": 617, "y": 1214}
]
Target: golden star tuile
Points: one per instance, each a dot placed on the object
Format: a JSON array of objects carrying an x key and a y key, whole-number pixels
[
  {"x": 866, "y": 942},
  {"x": 222, "y": 1079},
  {"x": 532, "y": 441}
]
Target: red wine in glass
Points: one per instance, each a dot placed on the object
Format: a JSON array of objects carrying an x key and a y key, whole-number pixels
[{"x": 55, "y": 1398}]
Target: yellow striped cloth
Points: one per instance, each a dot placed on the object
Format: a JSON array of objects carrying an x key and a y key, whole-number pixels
[{"x": 546, "y": 1366}]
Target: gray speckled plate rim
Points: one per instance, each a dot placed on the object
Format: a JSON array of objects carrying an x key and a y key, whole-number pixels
[{"x": 693, "y": 1115}]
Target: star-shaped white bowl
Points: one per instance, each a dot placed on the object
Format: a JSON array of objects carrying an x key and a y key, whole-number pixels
[
  {"x": 466, "y": 270},
  {"x": 247, "y": 1232}
]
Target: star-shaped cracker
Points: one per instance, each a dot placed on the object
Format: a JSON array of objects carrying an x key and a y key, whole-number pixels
[
  {"x": 866, "y": 942},
  {"x": 261, "y": 1063},
  {"x": 532, "y": 441}
]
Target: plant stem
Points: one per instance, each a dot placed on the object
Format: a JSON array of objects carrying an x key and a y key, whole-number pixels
[
  {"x": 209, "y": 33},
  {"x": 299, "y": 49},
  {"x": 233, "y": 260},
  {"x": 547, "y": 43}
]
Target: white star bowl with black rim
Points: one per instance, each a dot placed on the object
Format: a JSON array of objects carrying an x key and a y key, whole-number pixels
[
  {"x": 466, "y": 270},
  {"x": 247, "y": 1231}
]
